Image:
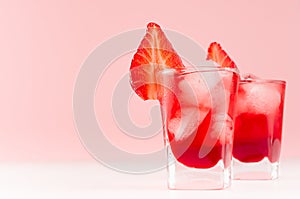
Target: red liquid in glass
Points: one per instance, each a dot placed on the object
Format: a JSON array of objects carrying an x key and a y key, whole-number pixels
[
  {"x": 257, "y": 135},
  {"x": 186, "y": 151}
]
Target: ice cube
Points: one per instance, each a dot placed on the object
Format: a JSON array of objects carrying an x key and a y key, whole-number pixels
[
  {"x": 220, "y": 98},
  {"x": 198, "y": 94},
  {"x": 258, "y": 98},
  {"x": 220, "y": 129},
  {"x": 186, "y": 122},
  {"x": 212, "y": 79},
  {"x": 194, "y": 91}
]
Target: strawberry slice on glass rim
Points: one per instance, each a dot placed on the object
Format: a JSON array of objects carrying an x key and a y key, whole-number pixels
[
  {"x": 154, "y": 54},
  {"x": 218, "y": 55}
]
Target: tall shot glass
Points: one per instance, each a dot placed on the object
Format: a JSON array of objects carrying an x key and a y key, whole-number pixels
[
  {"x": 197, "y": 111},
  {"x": 258, "y": 129}
]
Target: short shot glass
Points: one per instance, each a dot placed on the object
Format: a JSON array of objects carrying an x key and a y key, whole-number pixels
[
  {"x": 258, "y": 129},
  {"x": 197, "y": 111}
]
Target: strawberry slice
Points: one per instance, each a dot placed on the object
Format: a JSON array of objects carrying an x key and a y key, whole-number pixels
[
  {"x": 218, "y": 55},
  {"x": 154, "y": 54}
]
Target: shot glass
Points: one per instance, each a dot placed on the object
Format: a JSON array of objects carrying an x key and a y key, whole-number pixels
[
  {"x": 258, "y": 129},
  {"x": 197, "y": 111}
]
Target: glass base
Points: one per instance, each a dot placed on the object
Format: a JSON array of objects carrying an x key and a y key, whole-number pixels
[
  {"x": 262, "y": 170},
  {"x": 182, "y": 177}
]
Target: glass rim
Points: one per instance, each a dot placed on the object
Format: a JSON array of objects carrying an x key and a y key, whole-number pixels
[
  {"x": 195, "y": 69},
  {"x": 276, "y": 81}
]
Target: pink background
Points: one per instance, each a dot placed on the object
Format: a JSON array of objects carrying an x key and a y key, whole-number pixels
[{"x": 42, "y": 46}]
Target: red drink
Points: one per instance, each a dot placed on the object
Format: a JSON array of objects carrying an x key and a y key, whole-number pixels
[
  {"x": 258, "y": 122},
  {"x": 197, "y": 109},
  {"x": 187, "y": 150},
  {"x": 198, "y": 112}
]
